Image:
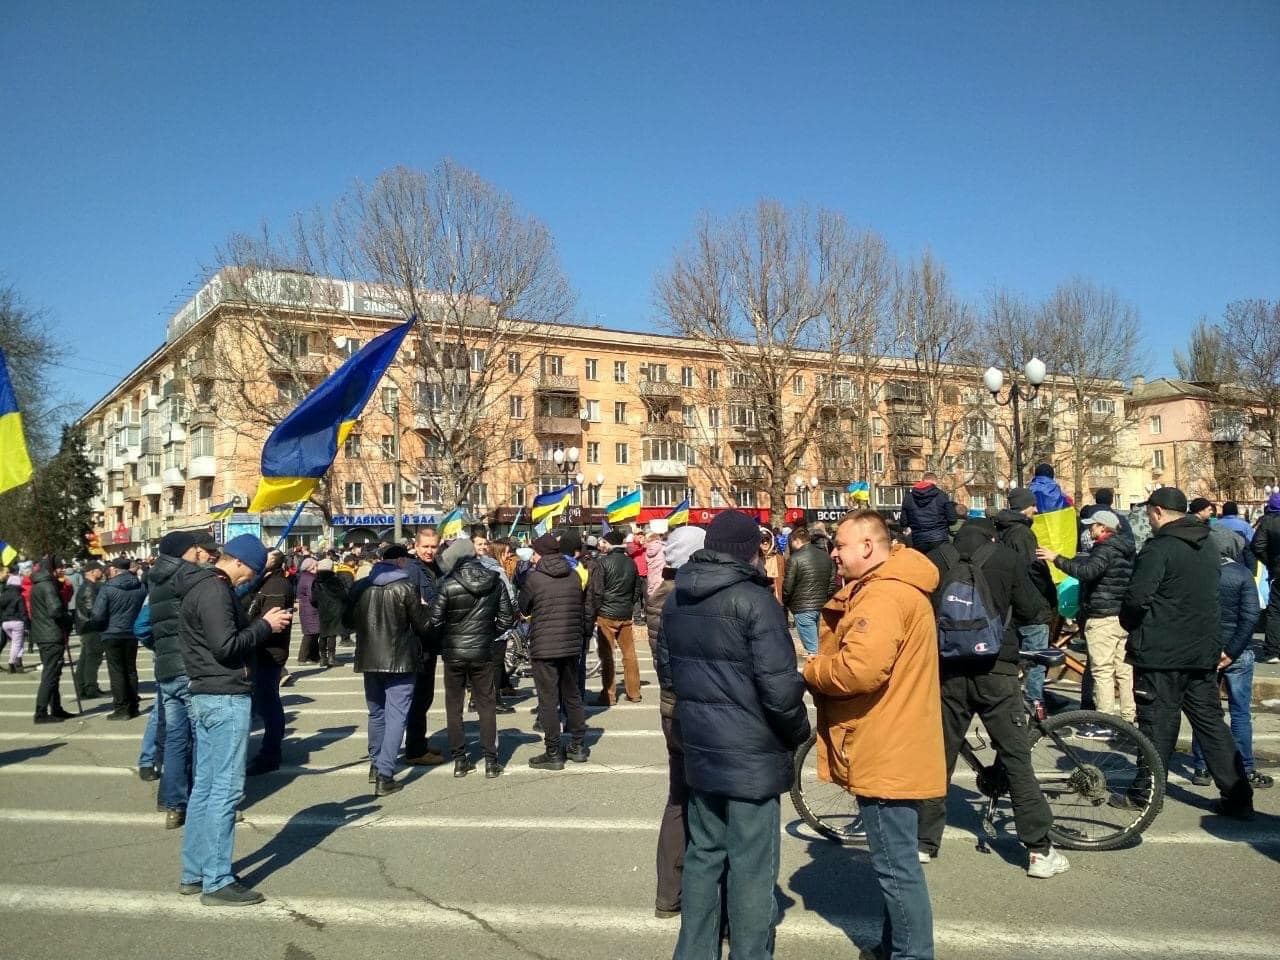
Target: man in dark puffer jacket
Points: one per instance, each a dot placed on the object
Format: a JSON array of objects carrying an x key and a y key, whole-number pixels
[
  {"x": 740, "y": 703},
  {"x": 929, "y": 513},
  {"x": 471, "y": 610},
  {"x": 90, "y": 640},
  {"x": 615, "y": 581},
  {"x": 391, "y": 622},
  {"x": 114, "y": 610},
  {"x": 274, "y": 592},
  {"x": 1104, "y": 574},
  {"x": 1013, "y": 527},
  {"x": 50, "y": 622},
  {"x": 554, "y": 600},
  {"x": 806, "y": 586}
]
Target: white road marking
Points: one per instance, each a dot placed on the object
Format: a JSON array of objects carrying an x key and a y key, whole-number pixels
[
  {"x": 321, "y": 735},
  {"x": 1027, "y": 939},
  {"x": 353, "y": 767}
]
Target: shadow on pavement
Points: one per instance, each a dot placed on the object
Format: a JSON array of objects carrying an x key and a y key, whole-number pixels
[
  {"x": 306, "y": 830},
  {"x": 23, "y": 754},
  {"x": 839, "y": 885},
  {"x": 297, "y": 752},
  {"x": 1248, "y": 831}
]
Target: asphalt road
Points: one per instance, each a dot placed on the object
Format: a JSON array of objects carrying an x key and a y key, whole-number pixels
[{"x": 545, "y": 865}]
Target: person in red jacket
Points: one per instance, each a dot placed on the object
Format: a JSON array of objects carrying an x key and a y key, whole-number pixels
[{"x": 635, "y": 550}]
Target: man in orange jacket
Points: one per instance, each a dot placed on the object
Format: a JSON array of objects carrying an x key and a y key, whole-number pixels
[{"x": 875, "y": 683}]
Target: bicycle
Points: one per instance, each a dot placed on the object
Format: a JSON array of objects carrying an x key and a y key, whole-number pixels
[{"x": 1101, "y": 776}]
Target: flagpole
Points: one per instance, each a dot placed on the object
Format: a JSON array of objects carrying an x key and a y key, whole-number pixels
[{"x": 288, "y": 528}]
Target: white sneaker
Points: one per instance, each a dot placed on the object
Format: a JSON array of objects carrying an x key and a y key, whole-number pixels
[
  {"x": 924, "y": 857},
  {"x": 1272, "y": 660},
  {"x": 1045, "y": 865}
]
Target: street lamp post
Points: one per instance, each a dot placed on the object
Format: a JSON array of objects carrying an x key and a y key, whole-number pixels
[
  {"x": 567, "y": 462},
  {"x": 993, "y": 380}
]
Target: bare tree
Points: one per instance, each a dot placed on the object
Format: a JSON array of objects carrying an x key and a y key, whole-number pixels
[
  {"x": 776, "y": 296},
  {"x": 1208, "y": 359},
  {"x": 1246, "y": 412},
  {"x": 30, "y": 350}
]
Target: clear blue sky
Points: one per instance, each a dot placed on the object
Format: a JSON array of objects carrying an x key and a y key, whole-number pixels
[{"x": 1136, "y": 144}]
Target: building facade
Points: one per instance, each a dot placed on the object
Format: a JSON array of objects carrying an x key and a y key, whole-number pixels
[{"x": 177, "y": 442}]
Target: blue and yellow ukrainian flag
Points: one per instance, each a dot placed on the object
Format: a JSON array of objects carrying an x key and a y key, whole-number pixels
[
  {"x": 679, "y": 517},
  {"x": 451, "y": 524},
  {"x": 15, "y": 462},
  {"x": 220, "y": 511},
  {"x": 624, "y": 508},
  {"x": 547, "y": 506},
  {"x": 302, "y": 446},
  {"x": 7, "y": 554}
]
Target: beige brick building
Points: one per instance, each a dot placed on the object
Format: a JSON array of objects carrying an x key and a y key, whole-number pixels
[{"x": 182, "y": 433}]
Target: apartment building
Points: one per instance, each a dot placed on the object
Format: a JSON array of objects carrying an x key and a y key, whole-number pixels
[{"x": 606, "y": 409}]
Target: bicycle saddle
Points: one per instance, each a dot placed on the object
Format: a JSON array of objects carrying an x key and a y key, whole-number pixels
[{"x": 1043, "y": 658}]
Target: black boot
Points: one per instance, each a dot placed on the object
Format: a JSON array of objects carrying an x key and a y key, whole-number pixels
[
  {"x": 61, "y": 714},
  {"x": 43, "y": 716},
  {"x": 462, "y": 766},
  {"x": 578, "y": 751},
  {"x": 551, "y": 759},
  {"x": 492, "y": 768},
  {"x": 386, "y": 786}
]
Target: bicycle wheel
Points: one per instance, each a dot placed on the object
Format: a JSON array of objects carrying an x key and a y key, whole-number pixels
[
  {"x": 830, "y": 810},
  {"x": 1101, "y": 776}
]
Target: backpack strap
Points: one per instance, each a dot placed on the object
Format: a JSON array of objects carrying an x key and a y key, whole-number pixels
[
  {"x": 949, "y": 553},
  {"x": 983, "y": 554}
]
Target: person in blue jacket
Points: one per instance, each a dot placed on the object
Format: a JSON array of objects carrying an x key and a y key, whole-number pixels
[{"x": 1048, "y": 494}]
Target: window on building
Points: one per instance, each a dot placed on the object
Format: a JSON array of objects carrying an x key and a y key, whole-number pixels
[
  {"x": 204, "y": 488},
  {"x": 592, "y": 409},
  {"x": 202, "y": 442},
  {"x": 663, "y": 449},
  {"x": 621, "y": 453},
  {"x": 621, "y": 491},
  {"x": 663, "y": 494},
  {"x": 1157, "y": 459},
  {"x": 713, "y": 379},
  {"x": 1156, "y": 424},
  {"x": 589, "y": 369},
  {"x": 1103, "y": 407},
  {"x": 517, "y": 449},
  {"x": 978, "y": 427},
  {"x": 593, "y": 495},
  {"x": 517, "y": 496},
  {"x": 351, "y": 445},
  {"x": 658, "y": 372},
  {"x": 346, "y": 346},
  {"x": 688, "y": 415},
  {"x": 744, "y": 497},
  {"x": 389, "y": 445},
  {"x": 553, "y": 365},
  {"x": 517, "y": 408},
  {"x": 175, "y": 456},
  {"x": 619, "y": 411},
  {"x": 287, "y": 391},
  {"x": 832, "y": 496},
  {"x": 479, "y": 495},
  {"x": 802, "y": 497},
  {"x": 686, "y": 376},
  {"x": 430, "y": 490},
  {"x": 744, "y": 457},
  {"x": 388, "y": 494},
  {"x": 549, "y": 484},
  {"x": 619, "y": 371},
  {"x": 390, "y": 399},
  {"x": 513, "y": 362},
  {"x": 353, "y": 494},
  {"x": 476, "y": 357},
  {"x": 877, "y": 462},
  {"x": 713, "y": 418},
  {"x": 153, "y": 465},
  {"x": 741, "y": 416},
  {"x": 593, "y": 451},
  {"x": 739, "y": 378},
  {"x": 797, "y": 384},
  {"x": 293, "y": 343}
]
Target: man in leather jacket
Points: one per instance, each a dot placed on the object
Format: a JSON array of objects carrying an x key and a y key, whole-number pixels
[
  {"x": 806, "y": 587},
  {"x": 86, "y": 671}
]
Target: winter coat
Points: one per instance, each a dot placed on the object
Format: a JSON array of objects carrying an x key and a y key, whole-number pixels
[
  {"x": 1048, "y": 494},
  {"x": 11, "y": 606},
  {"x": 86, "y": 596},
  {"x": 50, "y": 619},
  {"x": 1237, "y": 525},
  {"x": 218, "y": 643},
  {"x": 654, "y": 563},
  {"x": 164, "y": 604},
  {"x": 345, "y": 574},
  {"x": 424, "y": 576},
  {"x": 274, "y": 592},
  {"x": 929, "y": 512},
  {"x": 739, "y": 699},
  {"x": 617, "y": 585},
  {"x": 635, "y": 550},
  {"x": 1011, "y": 593},
  {"x": 658, "y": 643},
  {"x": 807, "y": 582},
  {"x": 824, "y": 544},
  {"x": 117, "y": 605},
  {"x": 875, "y": 683},
  {"x": 1266, "y": 544},
  {"x": 329, "y": 598},
  {"x": 1104, "y": 574},
  {"x": 471, "y": 610},
  {"x": 555, "y": 602},
  {"x": 308, "y": 615},
  {"x": 390, "y": 621},
  {"x": 1171, "y": 608},
  {"x": 1014, "y": 531},
  {"x": 1238, "y": 603}
]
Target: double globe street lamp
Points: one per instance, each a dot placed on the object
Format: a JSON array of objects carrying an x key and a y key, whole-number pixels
[
  {"x": 993, "y": 380},
  {"x": 566, "y": 461}
]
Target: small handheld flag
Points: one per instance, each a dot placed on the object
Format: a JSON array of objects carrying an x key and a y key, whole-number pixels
[
  {"x": 679, "y": 516},
  {"x": 451, "y": 524},
  {"x": 303, "y": 445},
  {"x": 15, "y": 462},
  {"x": 547, "y": 506},
  {"x": 220, "y": 511},
  {"x": 7, "y": 554},
  {"x": 624, "y": 508}
]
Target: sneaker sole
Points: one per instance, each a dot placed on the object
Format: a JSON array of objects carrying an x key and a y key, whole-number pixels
[{"x": 1048, "y": 876}]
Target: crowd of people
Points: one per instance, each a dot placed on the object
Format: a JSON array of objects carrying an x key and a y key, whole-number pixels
[{"x": 1168, "y": 606}]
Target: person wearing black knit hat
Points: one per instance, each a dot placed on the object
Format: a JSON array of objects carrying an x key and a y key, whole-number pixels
[{"x": 616, "y": 580}]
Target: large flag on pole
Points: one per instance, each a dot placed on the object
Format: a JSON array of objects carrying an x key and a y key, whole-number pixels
[
  {"x": 624, "y": 508},
  {"x": 302, "y": 446},
  {"x": 1059, "y": 531},
  {"x": 679, "y": 516},
  {"x": 15, "y": 462},
  {"x": 451, "y": 524},
  {"x": 547, "y": 506}
]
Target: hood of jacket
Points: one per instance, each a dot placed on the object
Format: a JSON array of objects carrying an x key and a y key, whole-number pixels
[
  {"x": 969, "y": 538},
  {"x": 924, "y": 494},
  {"x": 1188, "y": 529},
  {"x": 475, "y": 577},
  {"x": 1007, "y": 518},
  {"x": 165, "y": 568},
  {"x": 709, "y": 571},
  {"x": 189, "y": 575},
  {"x": 125, "y": 580},
  {"x": 653, "y": 550},
  {"x": 41, "y": 576},
  {"x": 385, "y": 573},
  {"x": 905, "y": 566},
  {"x": 555, "y": 565}
]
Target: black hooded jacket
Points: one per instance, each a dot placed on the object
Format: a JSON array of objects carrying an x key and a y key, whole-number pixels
[
  {"x": 329, "y": 597},
  {"x": 806, "y": 584},
  {"x": 554, "y": 601},
  {"x": 165, "y": 603},
  {"x": 472, "y": 608},
  {"x": 739, "y": 697},
  {"x": 929, "y": 512},
  {"x": 50, "y": 619},
  {"x": 1171, "y": 608},
  {"x": 117, "y": 605},
  {"x": 11, "y": 608},
  {"x": 1104, "y": 574},
  {"x": 219, "y": 645},
  {"x": 1013, "y": 529},
  {"x": 616, "y": 587}
]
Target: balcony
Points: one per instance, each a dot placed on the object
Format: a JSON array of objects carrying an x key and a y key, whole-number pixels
[
  {"x": 1097, "y": 480},
  {"x": 149, "y": 530},
  {"x": 97, "y": 504},
  {"x": 557, "y": 383},
  {"x": 1262, "y": 466},
  {"x": 836, "y": 471},
  {"x": 308, "y": 365},
  {"x": 663, "y": 469},
  {"x": 174, "y": 477},
  {"x": 910, "y": 476},
  {"x": 663, "y": 430},
  {"x": 177, "y": 387},
  {"x": 659, "y": 389},
  {"x": 978, "y": 443},
  {"x": 151, "y": 445},
  {"x": 203, "y": 417},
  {"x": 746, "y": 473},
  {"x": 202, "y": 368},
  {"x": 174, "y": 433},
  {"x": 133, "y": 491},
  {"x": 202, "y": 468},
  {"x": 153, "y": 487},
  {"x": 558, "y": 426},
  {"x": 131, "y": 454},
  {"x": 116, "y": 499},
  {"x": 904, "y": 397}
]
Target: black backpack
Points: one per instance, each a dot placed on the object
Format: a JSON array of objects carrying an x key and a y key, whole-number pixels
[{"x": 970, "y": 630}]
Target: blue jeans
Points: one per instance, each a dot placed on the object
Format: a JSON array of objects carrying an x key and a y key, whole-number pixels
[
  {"x": 1239, "y": 681},
  {"x": 221, "y": 723},
  {"x": 737, "y": 840},
  {"x": 807, "y": 627},
  {"x": 266, "y": 704},
  {"x": 1034, "y": 636},
  {"x": 892, "y": 828},
  {"x": 151, "y": 753},
  {"x": 388, "y": 696},
  {"x": 173, "y": 700}
]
